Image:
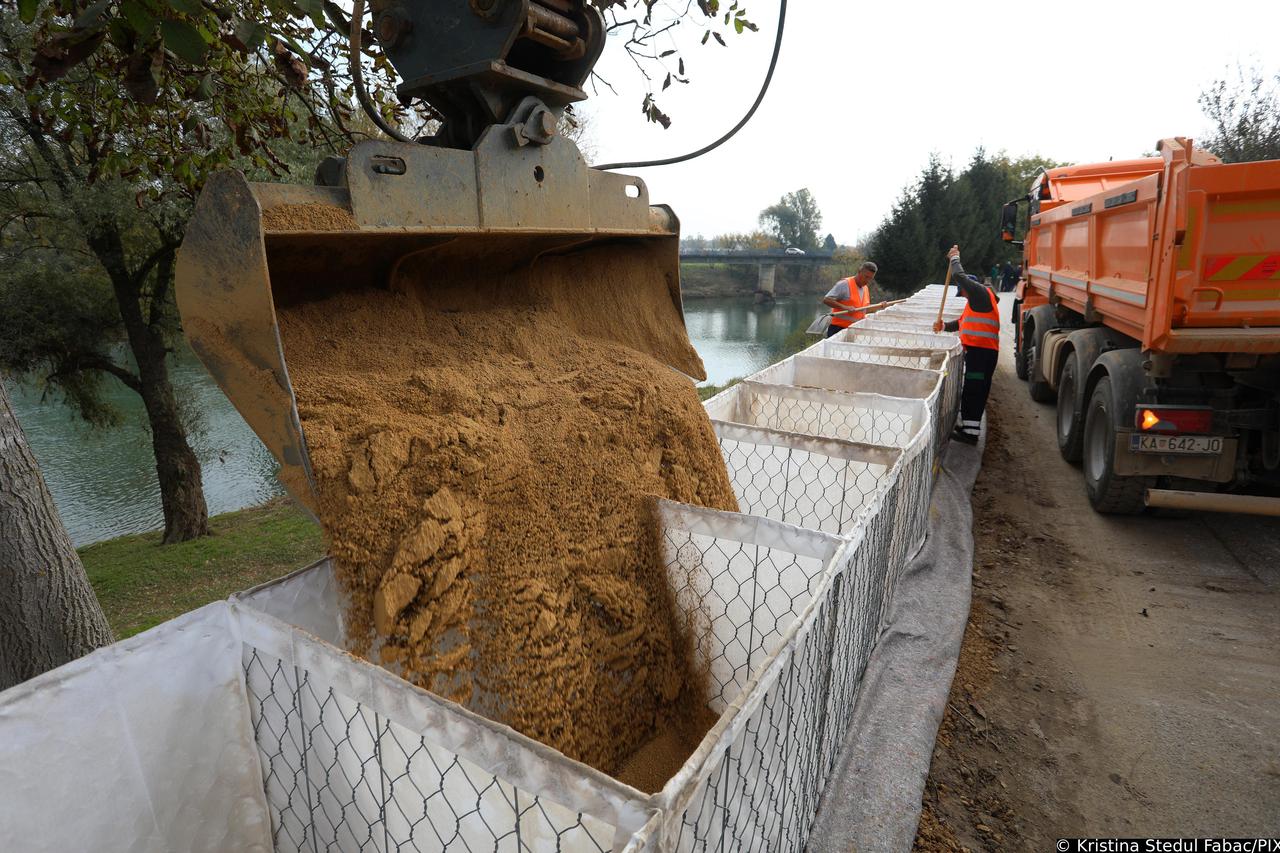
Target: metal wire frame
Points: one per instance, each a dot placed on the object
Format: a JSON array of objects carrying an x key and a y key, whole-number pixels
[
  {"x": 761, "y": 792},
  {"x": 338, "y": 776},
  {"x": 849, "y": 420},
  {"x": 884, "y": 341},
  {"x": 800, "y": 486}
]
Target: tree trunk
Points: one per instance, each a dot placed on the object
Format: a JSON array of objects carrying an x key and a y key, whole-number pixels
[
  {"x": 181, "y": 486},
  {"x": 186, "y": 516},
  {"x": 48, "y": 612}
]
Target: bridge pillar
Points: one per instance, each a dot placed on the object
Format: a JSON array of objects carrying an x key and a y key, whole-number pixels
[{"x": 767, "y": 281}]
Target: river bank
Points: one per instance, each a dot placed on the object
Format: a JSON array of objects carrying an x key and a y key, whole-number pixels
[
  {"x": 715, "y": 281},
  {"x": 141, "y": 583}
]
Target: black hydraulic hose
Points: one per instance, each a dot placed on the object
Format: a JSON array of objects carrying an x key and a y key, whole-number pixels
[
  {"x": 357, "y": 76},
  {"x": 768, "y": 78}
]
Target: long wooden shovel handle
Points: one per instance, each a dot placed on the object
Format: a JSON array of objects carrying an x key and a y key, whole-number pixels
[
  {"x": 946, "y": 285},
  {"x": 875, "y": 307}
]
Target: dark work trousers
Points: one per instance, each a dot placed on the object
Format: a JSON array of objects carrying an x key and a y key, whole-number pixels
[
  {"x": 834, "y": 330},
  {"x": 979, "y": 367}
]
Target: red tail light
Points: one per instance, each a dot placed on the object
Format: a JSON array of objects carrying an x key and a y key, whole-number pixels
[{"x": 1171, "y": 420}]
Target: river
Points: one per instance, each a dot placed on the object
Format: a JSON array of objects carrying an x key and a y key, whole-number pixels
[{"x": 104, "y": 482}]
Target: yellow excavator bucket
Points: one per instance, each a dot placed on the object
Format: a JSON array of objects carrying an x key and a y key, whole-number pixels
[{"x": 505, "y": 222}]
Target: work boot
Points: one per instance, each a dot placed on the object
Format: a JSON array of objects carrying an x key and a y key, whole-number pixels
[{"x": 967, "y": 437}]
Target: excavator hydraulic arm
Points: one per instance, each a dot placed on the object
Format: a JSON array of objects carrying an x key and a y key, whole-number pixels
[{"x": 497, "y": 202}]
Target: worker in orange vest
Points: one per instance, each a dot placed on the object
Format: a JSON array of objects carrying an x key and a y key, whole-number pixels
[
  {"x": 979, "y": 328},
  {"x": 849, "y": 295}
]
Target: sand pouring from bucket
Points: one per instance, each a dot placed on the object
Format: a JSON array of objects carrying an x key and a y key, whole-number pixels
[{"x": 499, "y": 211}]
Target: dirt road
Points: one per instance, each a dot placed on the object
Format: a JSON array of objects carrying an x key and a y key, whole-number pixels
[{"x": 1120, "y": 676}]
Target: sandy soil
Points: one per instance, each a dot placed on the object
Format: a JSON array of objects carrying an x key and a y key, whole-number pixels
[{"x": 1120, "y": 676}]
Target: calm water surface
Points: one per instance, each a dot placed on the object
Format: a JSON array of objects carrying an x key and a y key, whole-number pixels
[
  {"x": 735, "y": 337},
  {"x": 104, "y": 481}
]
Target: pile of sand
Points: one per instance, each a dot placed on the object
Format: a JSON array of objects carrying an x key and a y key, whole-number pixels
[{"x": 483, "y": 478}]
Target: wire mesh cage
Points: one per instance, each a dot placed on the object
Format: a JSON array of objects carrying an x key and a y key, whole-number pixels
[
  {"x": 860, "y": 417},
  {"x": 271, "y": 737},
  {"x": 920, "y": 359},
  {"x": 821, "y": 484},
  {"x": 759, "y": 788},
  {"x": 851, "y": 343}
]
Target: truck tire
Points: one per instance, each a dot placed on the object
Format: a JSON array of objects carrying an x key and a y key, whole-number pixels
[
  {"x": 1070, "y": 420},
  {"x": 1019, "y": 350},
  {"x": 1040, "y": 390},
  {"x": 1108, "y": 492}
]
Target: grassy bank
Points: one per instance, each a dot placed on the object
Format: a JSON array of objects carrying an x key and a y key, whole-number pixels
[{"x": 141, "y": 584}]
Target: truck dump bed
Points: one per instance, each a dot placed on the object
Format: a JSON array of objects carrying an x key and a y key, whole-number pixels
[{"x": 1184, "y": 259}]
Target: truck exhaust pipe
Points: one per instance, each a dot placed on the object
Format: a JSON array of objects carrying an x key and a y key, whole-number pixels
[{"x": 1210, "y": 502}]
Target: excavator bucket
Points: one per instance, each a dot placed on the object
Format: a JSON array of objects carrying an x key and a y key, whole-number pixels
[{"x": 504, "y": 221}]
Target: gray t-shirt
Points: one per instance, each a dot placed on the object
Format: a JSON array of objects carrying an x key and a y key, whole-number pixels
[{"x": 840, "y": 292}]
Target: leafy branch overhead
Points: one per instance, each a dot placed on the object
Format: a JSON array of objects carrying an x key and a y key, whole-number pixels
[
  {"x": 181, "y": 68},
  {"x": 643, "y": 34}
]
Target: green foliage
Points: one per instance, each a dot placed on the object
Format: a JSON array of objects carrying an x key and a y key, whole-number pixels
[
  {"x": 941, "y": 209},
  {"x": 706, "y": 392},
  {"x": 755, "y": 240},
  {"x": 141, "y": 584},
  {"x": 165, "y": 92},
  {"x": 1245, "y": 114},
  {"x": 794, "y": 220},
  {"x": 57, "y": 330}
]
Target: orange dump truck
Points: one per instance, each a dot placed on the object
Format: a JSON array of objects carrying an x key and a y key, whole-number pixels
[{"x": 1150, "y": 311}]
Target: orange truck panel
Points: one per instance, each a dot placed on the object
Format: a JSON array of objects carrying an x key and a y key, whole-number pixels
[{"x": 1180, "y": 252}]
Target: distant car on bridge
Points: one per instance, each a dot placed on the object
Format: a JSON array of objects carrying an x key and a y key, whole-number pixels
[{"x": 792, "y": 250}]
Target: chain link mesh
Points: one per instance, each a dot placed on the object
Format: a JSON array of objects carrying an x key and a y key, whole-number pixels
[
  {"x": 340, "y": 777},
  {"x": 761, "y": 792},
  {"x": 786, "y": 635},
  {"x": 802, "y": 487}
]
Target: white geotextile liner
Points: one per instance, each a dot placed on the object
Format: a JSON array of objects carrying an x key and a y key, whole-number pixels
[
  {"x": 814, "y": 371},
  {"x": 861, "y": 417},
  {"x": 743, "y": 581},
  {"x": 144, "y": 745},
  {"x": 921, "y": 359},
  {"x": 861, "y": 333},
  {"x": 353, "y": 753},
  {"x": 819, "y": 483},
  {"x": 755, "y": 781},
  {"x": 898, "y": 325}
]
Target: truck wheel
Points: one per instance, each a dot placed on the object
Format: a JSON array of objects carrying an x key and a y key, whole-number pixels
[
  {"x": 1108, "y": 492},
  {"x": 1070, "y": 418},
  {"x": 1038, "y": 388},
  {"x": 1019, "y": 349}
]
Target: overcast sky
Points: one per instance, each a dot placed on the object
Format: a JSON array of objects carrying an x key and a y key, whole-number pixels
[{"x": 864, "y": 92}]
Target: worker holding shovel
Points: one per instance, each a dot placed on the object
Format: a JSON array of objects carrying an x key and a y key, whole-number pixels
[
  {"x": 979, "y": 328},
  {"x": 850, "y": 299}
]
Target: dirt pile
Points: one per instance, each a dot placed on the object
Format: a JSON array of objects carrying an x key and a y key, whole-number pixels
[
  {"x": 483, "y": 472},
  {"x": 307, "y": 217}
]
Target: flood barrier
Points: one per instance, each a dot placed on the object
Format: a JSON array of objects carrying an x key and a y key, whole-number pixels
[{"x": 246, "y": 725}]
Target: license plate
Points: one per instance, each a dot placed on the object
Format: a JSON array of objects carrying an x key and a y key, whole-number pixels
[{"x": 1190, "y": 445}]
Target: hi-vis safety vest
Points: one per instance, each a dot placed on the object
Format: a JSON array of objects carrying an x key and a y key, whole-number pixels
[
  {"x": 859, "y": 297},
  {"x": 981, "y": 328}
]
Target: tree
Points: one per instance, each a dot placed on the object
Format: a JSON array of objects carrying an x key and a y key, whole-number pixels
[
  {"x": 830, "y": 244},
  {"x": 97, "y": 175},
  {"x": 940, "y": 209},
  {"x": 1245, "y": 113},
  {"x": 794, "y": 220},
  {"x": 48, "y": 612}
]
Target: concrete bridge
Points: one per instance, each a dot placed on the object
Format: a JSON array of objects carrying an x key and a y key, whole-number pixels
[{"x": 767, "y": 262}]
